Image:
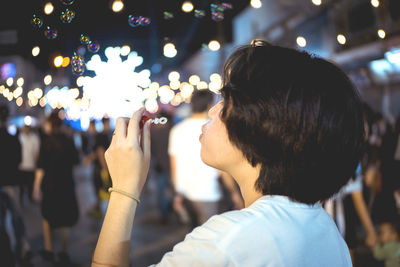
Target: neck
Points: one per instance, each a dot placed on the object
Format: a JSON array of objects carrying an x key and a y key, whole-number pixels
[{"x": 246, "y": 176}]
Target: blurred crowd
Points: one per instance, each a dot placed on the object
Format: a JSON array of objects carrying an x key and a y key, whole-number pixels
[{"x": 37, "y": 167}]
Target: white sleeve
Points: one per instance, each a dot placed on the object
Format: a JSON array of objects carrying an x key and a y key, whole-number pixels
[{"x": 200, "y": 248}]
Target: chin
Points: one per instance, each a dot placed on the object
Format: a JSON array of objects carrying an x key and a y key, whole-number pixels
[{"x": 208, "y": 160}]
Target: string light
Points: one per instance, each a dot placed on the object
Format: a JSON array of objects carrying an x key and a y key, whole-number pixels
[
  {"x": 301, "y": 41},
  {"x": 341, "y": 39},
  {"x": 256, "y": 3},
  {"x": 117, "y": 6},
  {"x": 381, "y": 33},
  {"x": 35, "y": 51},
  {"x": 316, "y": 2},
  {"x": 48, "y": 8},
  {"x": 375, "y": 3},
  {"x": 187, "y": 7},
  {"x": 214, "y": 45}
]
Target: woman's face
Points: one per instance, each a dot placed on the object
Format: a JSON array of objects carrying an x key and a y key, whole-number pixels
[{"x": 216, "y": 149}]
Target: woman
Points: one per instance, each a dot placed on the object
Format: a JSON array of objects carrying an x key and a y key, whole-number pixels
[
  {"x": 54, "y": 186},
  {"x": 289, "y": 130}
]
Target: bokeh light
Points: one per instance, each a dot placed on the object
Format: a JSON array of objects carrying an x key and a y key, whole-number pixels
[
  {"x": 117, "y": 6},
  {"x": 301, "y": 41},
  {"x": 47, "y": 79},
  {"x": 35, "y": 51},
  {"x": 48, "y": 8},
  {"x": 381, "y": 33},
  {"x": 187, "y": 6},
  {"x": 341, "y": 39},
  {"x": 375, "y": 3},
  {"x": 214, "y": 45},
  {"x": 317, "y": 2},
  {"x": 256, "y": 3},
  {"x": 20, "y": 81},
  {"x": 58, "y": 60}
]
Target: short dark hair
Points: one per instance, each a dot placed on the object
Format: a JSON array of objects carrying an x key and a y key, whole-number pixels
[
  {"x": 297, "y": 115},
  {"x": 201, "y": 100},
  {"x": 4, "y": 113}
]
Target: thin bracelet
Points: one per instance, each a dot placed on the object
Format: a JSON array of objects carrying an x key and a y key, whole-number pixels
[{"x": 123, "y": 193}]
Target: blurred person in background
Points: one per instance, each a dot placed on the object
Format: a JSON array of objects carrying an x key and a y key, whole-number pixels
[
  {"x": 101, "y": 177},
  {"x": 10, "y": 158},
  {"x": 197, "y": 191},
  {"x": 388, "y": 247},
  {"x": 30, "y": 144},
  {"x": 54, "y": 187},
  {"x": 89, "y": 156},
  {"x": 160, "y": 165}
]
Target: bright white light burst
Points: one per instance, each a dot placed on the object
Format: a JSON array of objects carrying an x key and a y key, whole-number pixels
[{"x": 116, "y": 90}]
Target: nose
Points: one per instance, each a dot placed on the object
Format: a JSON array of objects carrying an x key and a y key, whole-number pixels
[{"x": 212, "y": 111}]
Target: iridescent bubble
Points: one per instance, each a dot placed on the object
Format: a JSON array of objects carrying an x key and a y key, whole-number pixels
[
  {"x": 67, "y": 2},
  {"x": 168, "y": 15},
  {"x": 138, "y": 21},
  {"x": 78, "y": 64},
  {"x": 84, "y": 39},
  {"x": 50, "y": 33},
  {"x": 67, "y": 16},
  {"x": 217, "y": 16},
  {"x": 199, "y": 13},
  {"x": 217, "y": 8},
  {"x": 227, "y": 5},
  {"x": 36, "y": 21},
  {"x": 134, "y": 21},
  {"x": 145, "y": 21},
  {"x": 93, "y": 46}
]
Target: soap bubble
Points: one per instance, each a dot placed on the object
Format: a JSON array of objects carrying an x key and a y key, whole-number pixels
[
  {"x": 67, "y": 2},
  {"x": 50, "y": 33},
  {"x": 78, "y": 64},
  {"x": 199, "y": 13},
  {"x": 168, "y": 15},
  {"x": 133, "y": 21},
  {"x": 36, "y": 21},
  {"x": 217, "y": 16},
  {"x": 67, "y": 16},
  {"x": 93, "y": 46},
  {"x": 145, "y": 21},
  {"x": 138, "y": 21},
  {"x": 217, "y": 8},
  {"x": 84, "y": 39},
  {"x": 227, "y": 5}
]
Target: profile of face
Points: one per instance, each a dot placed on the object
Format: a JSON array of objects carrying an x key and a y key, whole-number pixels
[
  {"x": 387, "y": 233},
  {"x": 216, "y": 149}
]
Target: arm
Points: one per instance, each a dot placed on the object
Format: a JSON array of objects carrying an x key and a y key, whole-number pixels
[
  {"x": 128, "y": 163},
  {"x": 230, "y": 184},
  {"x": 172, "y": 161},
  {"x": 365, "y": 219},
  {"x": 178, "y": 199},
  {"x": 37, "y": 194}
]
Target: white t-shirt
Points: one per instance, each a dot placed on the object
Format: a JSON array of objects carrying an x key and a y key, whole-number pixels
[
  {"x": 274, "y": 231},
  {"x": 30, "y": 145},
  {"x": 194, "y": 179}
]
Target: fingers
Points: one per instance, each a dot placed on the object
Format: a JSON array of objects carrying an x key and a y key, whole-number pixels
[
  {"x": 146, "y": 140},
  {"x": 133, "y": 127},
  {"x": 120, "y": 130}
]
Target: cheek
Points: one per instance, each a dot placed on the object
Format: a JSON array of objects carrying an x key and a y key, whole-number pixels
[{"x": 216, "y": 149}]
